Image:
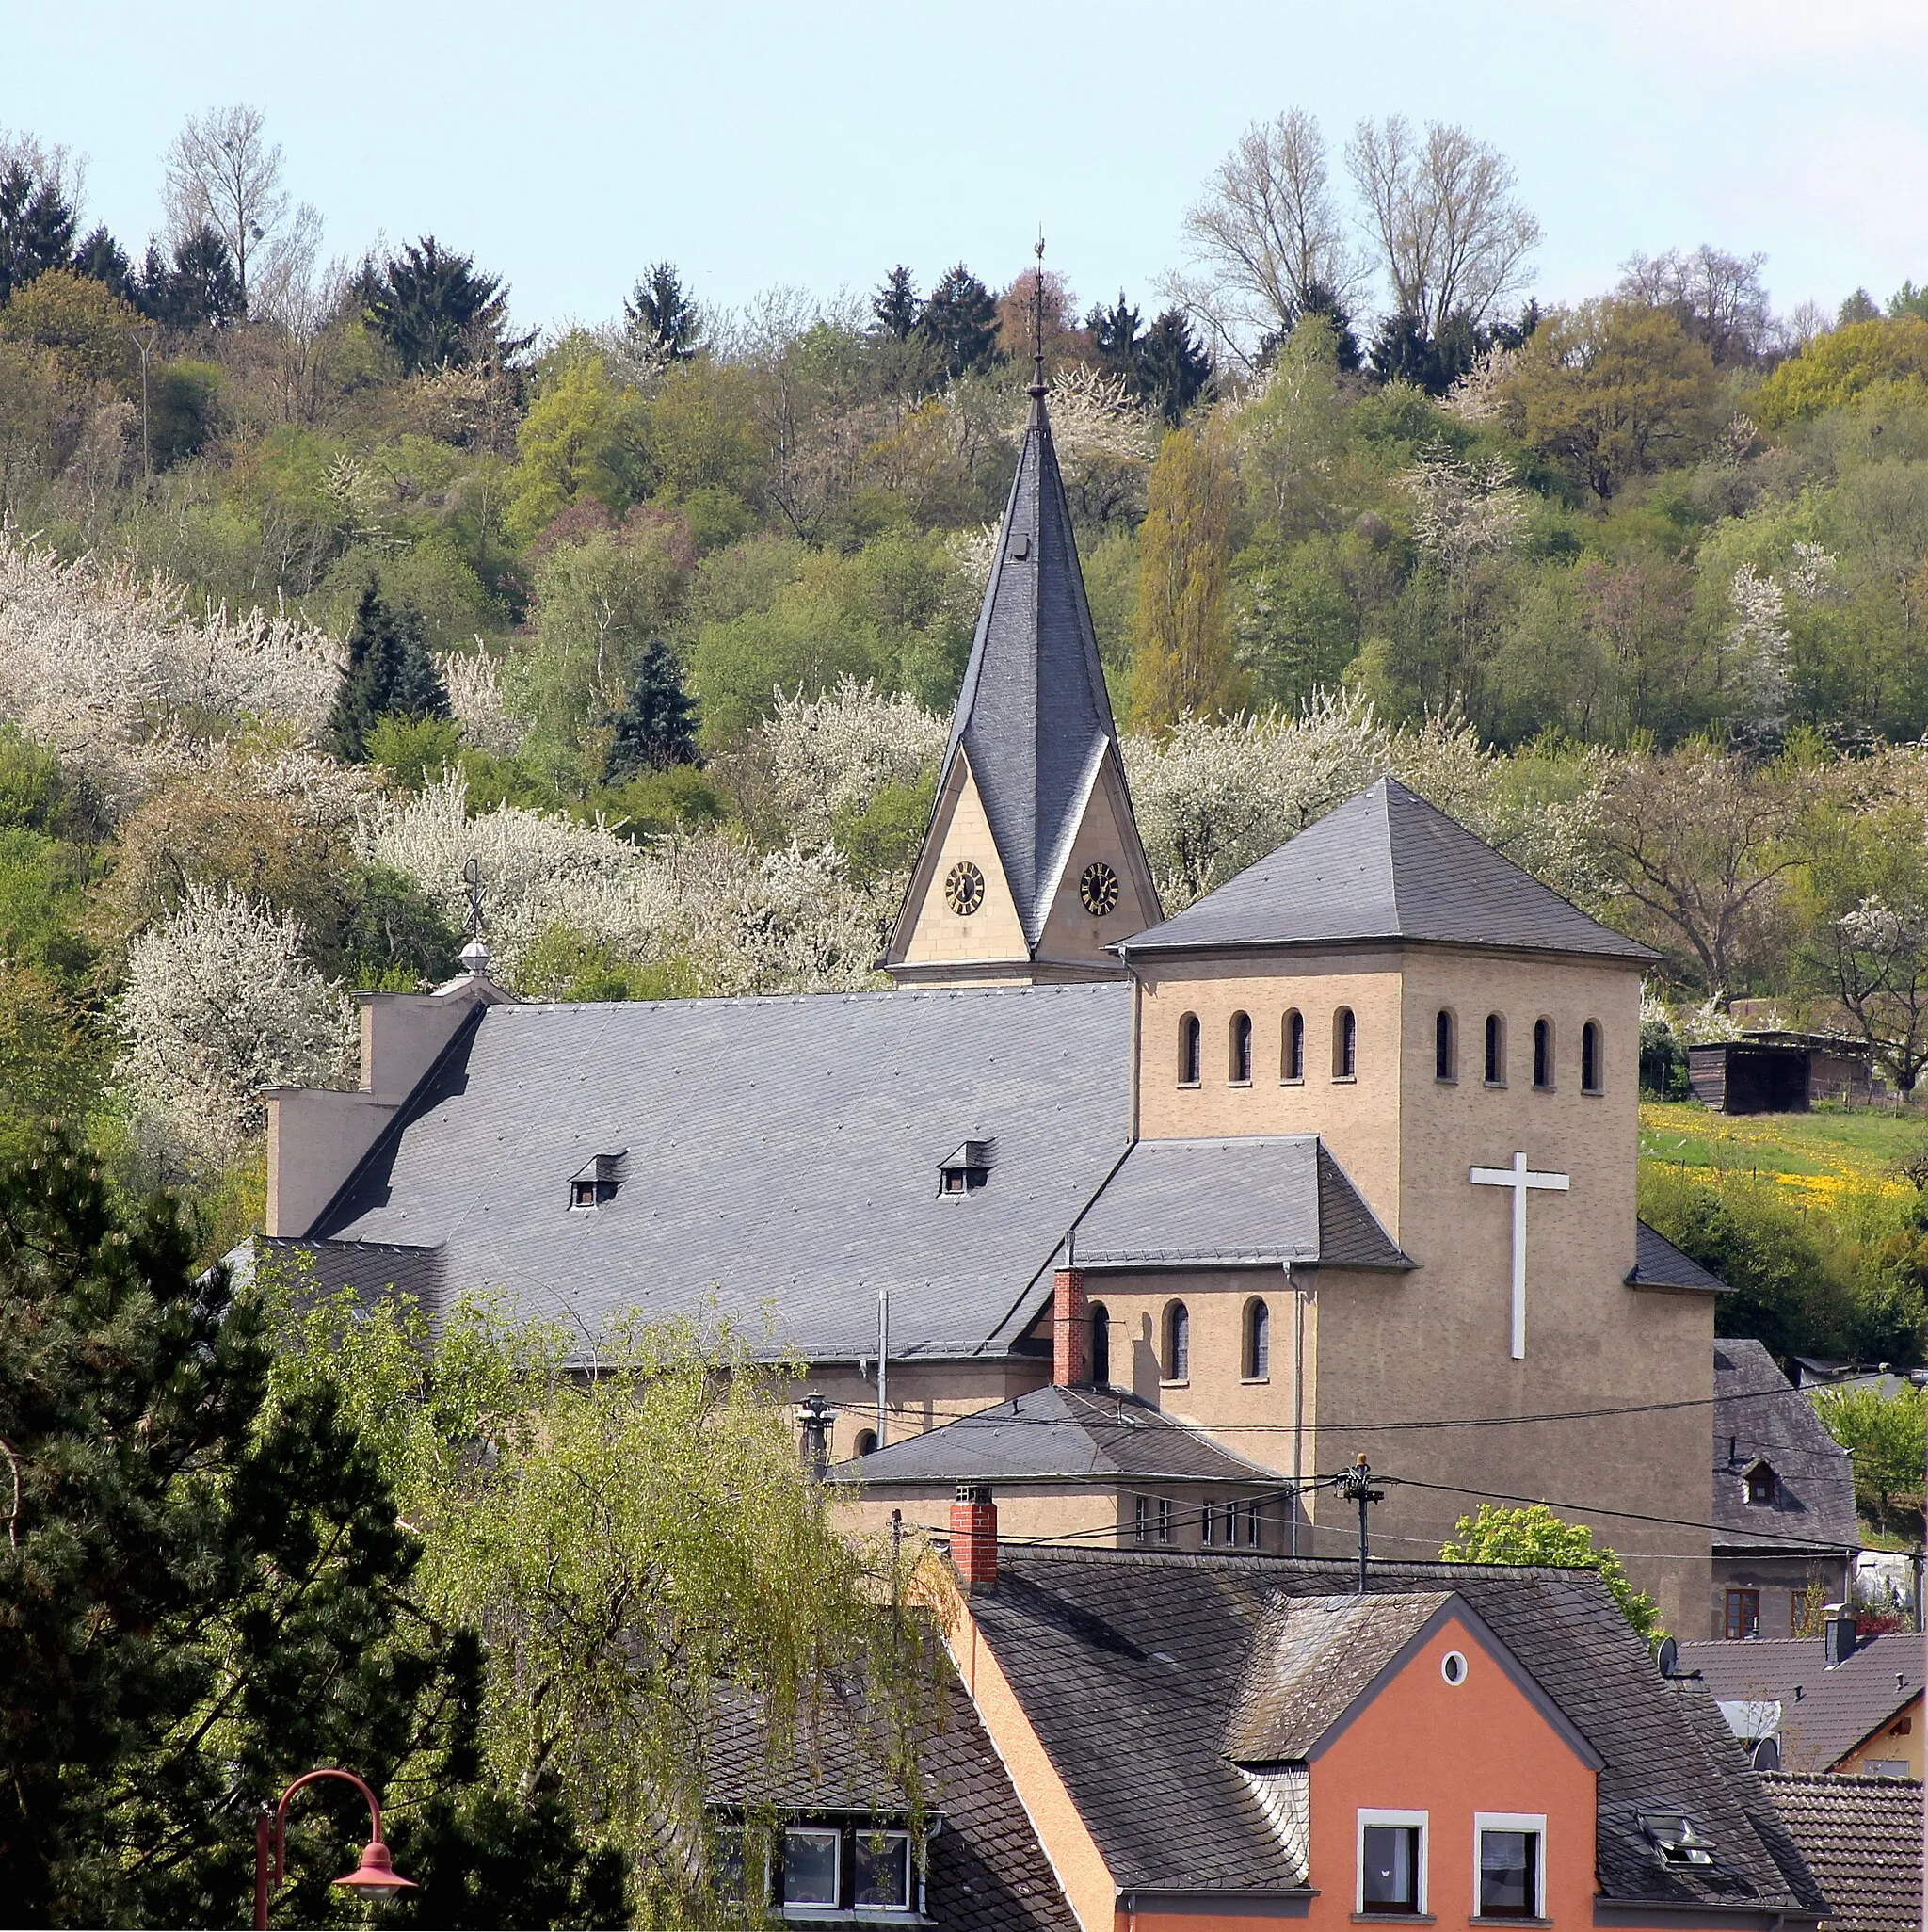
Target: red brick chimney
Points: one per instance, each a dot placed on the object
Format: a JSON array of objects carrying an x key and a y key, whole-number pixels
[
  {"x": 1070, "y": 1329},
  {"x": 974, "y": 1536}
]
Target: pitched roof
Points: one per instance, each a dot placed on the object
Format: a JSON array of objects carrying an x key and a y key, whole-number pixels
[
  {"x": 1760, "y": 1416},
  {"x": 1259, "y": 1200},
  {"x": 1056, "y": 1434},
  {"x": 1658, "y": 1264},
  {"x": 1125, "y": 1664},
  {"x": 1861, "y": 1838},
  {"x": 1824, "y": 1714},
  {"x": 1386, "y": 865},
  {"x": 1032, "y": 714}
]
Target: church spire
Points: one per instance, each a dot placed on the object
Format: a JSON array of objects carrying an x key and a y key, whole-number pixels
[{"x": 1032, "y": 761}]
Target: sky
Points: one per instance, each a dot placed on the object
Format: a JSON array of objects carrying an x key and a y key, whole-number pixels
[{"x": 815, "y": 143}]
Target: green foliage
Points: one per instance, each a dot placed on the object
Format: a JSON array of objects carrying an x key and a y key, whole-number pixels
[
  {"x": 662, "y": 317},
  {"x": 581, "y": 440},
  {"x": 1536, "y": 1535},
  {"x": 414, "y": 752},
  {"x": 1846, "y": 363},
  {"x": 392, "y": 937},
  {"x": 656, "y": 726},
  {"x": 659, "y": 801},
  {"x": 434, "y": 310},
  {"x": 960, "y": 318},
  {"x": 565, "y": 965},
  {"x": 389, "y": 674},
  {"x": 1886, "y": 1434},
  {"x": 883, "y": 838},
  {"x": 183, "y": 409}
]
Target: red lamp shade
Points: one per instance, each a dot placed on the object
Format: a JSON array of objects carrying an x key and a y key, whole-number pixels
[{"x": 376, "y": 1876}]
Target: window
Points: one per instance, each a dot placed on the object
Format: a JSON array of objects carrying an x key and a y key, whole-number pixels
[
  {"x": 590, "y": 1186},
  {"x": 1346, "y": 1040},
  {"x": 967, "y": 1167},
  {"x": 1445, "y": 1047},
  {"x": 1392, "y": 1861},
  {"x": 1543, "y": 1055},
  {"x": 1178, "y": 1343},
  {"x": 1238, "y": 1068},
  {"x": 867, "y": 1442},
  {"x": 1496, "y": 1050},
  {"x": 1744, "y": 1613},
  {"x": 1291, "y": 1057},
  {"x": 1510, "y": 1864},
  {"x": 1188, "y": 1051},
  {"x": 1452, "y": 1668},
  {"x": 1165, "y": 1519},
  {"x": 813, "y": 1865},
  {"x": 1252, "y": 1535},
  {"x": 1763, "y": 1485},
  {"x": 1257, "y": 1342},
  {"x": 1208, "y": 1522},
  {"x": 1676, "y": 1837},
  {"x": 881, "y": 1870},
  {"x": 1141, "y": 1519},
  {"x": 1590, "y": 1070},
  {"x": 1100, "y": 1345}
]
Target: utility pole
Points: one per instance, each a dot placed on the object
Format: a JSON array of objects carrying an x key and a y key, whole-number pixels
[
  {"x": 1355, "y": 1487},
  {"x": 883, "y": 1367},
  {"x": 144, "y": 339}
]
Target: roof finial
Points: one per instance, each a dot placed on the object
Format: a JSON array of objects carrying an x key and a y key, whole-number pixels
[
  {"x": 1038, "y": 319},
  {"x": 475, "y": 954}
]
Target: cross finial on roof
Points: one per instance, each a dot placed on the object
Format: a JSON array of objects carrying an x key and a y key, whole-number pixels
[
  {"x": 1037, "y": 320},
  {"x": 471, "y": 878}
]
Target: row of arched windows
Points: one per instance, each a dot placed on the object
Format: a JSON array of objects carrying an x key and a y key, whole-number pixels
[
  {"x": 1175, "y": 1343},
  {"x": 1545, "y": 1058},
  {"x": 1291, "y": 1048}
]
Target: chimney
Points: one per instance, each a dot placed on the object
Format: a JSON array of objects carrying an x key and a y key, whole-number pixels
[
  {"x": 814, "y": 1418},
  {"x": 1839, "y": 1633},
  {"x": 974, "y": 1538},
  {"x": 1070, "y": 1329}
]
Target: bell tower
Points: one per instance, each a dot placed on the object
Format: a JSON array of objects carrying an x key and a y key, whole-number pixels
[{"x": 1032, "y": 865}]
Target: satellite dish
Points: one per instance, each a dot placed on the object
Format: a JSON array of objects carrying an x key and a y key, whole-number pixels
[
  {"x": 1766, "y": 1755},
  {"x": 1666, "y": 1657}
]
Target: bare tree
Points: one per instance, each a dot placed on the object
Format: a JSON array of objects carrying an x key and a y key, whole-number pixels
[
  {"x": 1452, "y": 237},
  {"x": 223, "y": 172},
  {"x": 1265, "y": 235},
  {"x": 1719, "y": 297}
]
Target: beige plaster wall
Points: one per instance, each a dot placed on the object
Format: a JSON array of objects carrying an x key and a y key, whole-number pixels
[
  {"x": 937, "y": 935},
  {"x": 923, "y": 1395},
  {"x": 1070, "y": 933},
  {"x": 1101, "y": 1514}
]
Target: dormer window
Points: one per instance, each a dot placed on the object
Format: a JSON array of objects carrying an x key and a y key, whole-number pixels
[
  {"x": 967, "y": 1168},
  {"x": 1676, "y": 1837},
  {"x": 1759, "y": 1483},
  {"x": 592, "y": 1186}
]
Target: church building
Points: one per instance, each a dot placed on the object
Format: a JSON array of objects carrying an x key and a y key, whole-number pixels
[{"x": 1169, "y": 1218}]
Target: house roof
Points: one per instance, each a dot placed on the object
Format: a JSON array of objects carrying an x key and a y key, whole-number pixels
[
  {"x": 1032, "y": 716},
  {"x": 1861, "y": 1838},
  {"x": 1260, "y": 1200},
  {"x": 1758, "y": 1416},
  {"x": 1386, "y": 865},
  {"x": 1823, "y": 1714},
  {"x": 1658, "y": 1264},
  {"x": 1128, "y": 1665},
  {"x": 1056, "y": 1434}
]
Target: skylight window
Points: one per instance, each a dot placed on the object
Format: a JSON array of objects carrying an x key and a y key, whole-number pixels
[{"x": 1675, "y": 1836}]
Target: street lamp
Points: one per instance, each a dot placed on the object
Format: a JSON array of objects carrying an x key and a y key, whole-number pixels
[{"x": 374, "y": 1877}]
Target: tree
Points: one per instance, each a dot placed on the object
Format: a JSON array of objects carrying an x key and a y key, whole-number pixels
[
  {"x": 1885, "y": 1434},
  {"x": 434, "y": 312},
  {"x": 1536, "y": 1535},
  {"x": 199, "y": 289},
  {"x": 1837, "y": 367},
  {"x": 1183, "y": 660},
  {"x": 960, "y": 320},
  {"x": 223, "y": 173},
  {"x": 37, "y": 224},
  {"x": 1173, "y": 369},
  {"x": 101, "y": 257},
  {"x": 1116, "y": 340},
  {"x": 388, "y": 674},
  {"x": 662, "y": 318},
  {"x": 581, "y": 443},
  {"x": 657, "y": 724},
  {"x": 894, "y": 308},
  {"x": 81, "y": 321},
  {"x": 1719, "y": 298},
  {"x": 1451, "y": 234}
]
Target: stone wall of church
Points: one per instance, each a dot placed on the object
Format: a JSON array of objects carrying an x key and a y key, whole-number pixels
[{"x": 923, "y": 1395}]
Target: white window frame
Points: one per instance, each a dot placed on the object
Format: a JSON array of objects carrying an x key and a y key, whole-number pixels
[
  {"x": 800, "y": 1908},
  {"x": 1409, "y": 1819},
  {"x": 911, "y": 1904},
  {"x": 1535, "y": 1822}
]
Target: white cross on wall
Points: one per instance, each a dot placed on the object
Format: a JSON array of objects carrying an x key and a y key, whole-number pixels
[{"x": 1519, "y": 1179}]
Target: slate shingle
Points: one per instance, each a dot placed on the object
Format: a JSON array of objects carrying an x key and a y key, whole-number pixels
[
  {"x": 1759, "y": 1415},
  {"x": 1861, "y": 1838}
]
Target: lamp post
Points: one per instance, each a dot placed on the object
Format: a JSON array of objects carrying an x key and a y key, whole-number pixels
[{"x": 374, "y": 1877}]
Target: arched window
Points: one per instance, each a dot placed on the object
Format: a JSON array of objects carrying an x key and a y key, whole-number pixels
[
  {"x": 1496, "y": 1050},
  {"x": 1257, "y": 1342},
  {"x": 1178, "y": 1343},
  {"x": 1239, "y": 1059},
  {"x": 1543, "y": 1052},
  {"x": 1590, "y": 1057},
  {"x": 1188, "y": 1051},
  {"x": 1345, "y": 1041},
  {"x": 1445, "y": 1048},
  {"x": 1100, "y": 1345},
  {"x": 1291, "y": 1057},
  {"x": 867, "y": 1442}
]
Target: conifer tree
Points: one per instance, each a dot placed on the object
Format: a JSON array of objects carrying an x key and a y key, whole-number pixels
[
  {"x": 1182, "y": 661},
  {"x": 961, "y": 319},
  {"x": 37, "y": 225},
  {"x": 389, "y": 674},
  {"x": 662, "y": 316},
  {"x": 1115, "y": 334},
  {"x": 431, "y": 307},
  {"x": 1172, "y": 369},
  {"x": 656, "y": 727},
  {"x": 895, "y": 305}
]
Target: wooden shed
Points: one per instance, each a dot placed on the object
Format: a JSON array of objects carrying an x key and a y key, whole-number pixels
[{"x": 1778, "y": 1073}]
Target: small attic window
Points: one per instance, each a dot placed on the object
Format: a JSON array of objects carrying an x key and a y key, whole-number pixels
[
  {"x": 1677, "y": 1838},
  {"x": 1759, "y": 1483},
  {"x": 590, "y": 1186},
  {"x": 967, "y": 1168}
]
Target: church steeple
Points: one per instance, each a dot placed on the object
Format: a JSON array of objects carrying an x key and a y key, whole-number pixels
[{"x": 1032, "y": 865}]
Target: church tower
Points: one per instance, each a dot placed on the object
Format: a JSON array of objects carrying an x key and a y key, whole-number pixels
[{"x": 1032, "y": 865}]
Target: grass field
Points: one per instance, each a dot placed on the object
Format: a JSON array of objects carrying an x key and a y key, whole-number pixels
[{"x": 1819, "y": 1154}]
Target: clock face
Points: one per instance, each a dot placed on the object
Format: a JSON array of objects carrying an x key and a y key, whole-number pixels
[
  {"x": 964, "y": 889},
  {"x": 1097, "y": 889}
]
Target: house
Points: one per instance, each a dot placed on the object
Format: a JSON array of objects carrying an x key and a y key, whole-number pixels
[
  {"x": 1861, "y": 1840},
  {"x": 1786, "y": 1533},
  {"x": 1830, "y": 1703},
  {"x": 1209, "y": 1741},
  {"x": 1349, "y": 1144}
]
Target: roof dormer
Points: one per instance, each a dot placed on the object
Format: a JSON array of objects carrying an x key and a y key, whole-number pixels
[
  {"x": 590, "y": 1185},
  {"x": 967, "y": 1167}
]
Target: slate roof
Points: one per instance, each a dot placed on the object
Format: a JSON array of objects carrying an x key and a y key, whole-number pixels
[
  {"x": 1836, "y": 1709},
  {"x": 1057, "y": 1434},
  {"x": 1658, "y": 1264},
  {"x": 1759, "y": 1415},
  {"x": 1861, "y": 1838},
  {"x": 1127, "y": 1665},
  {"x": 1386, "y": 865},
  {"x": 1259, "y": 1200},
  {"x": 1032, "y": 714}
]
